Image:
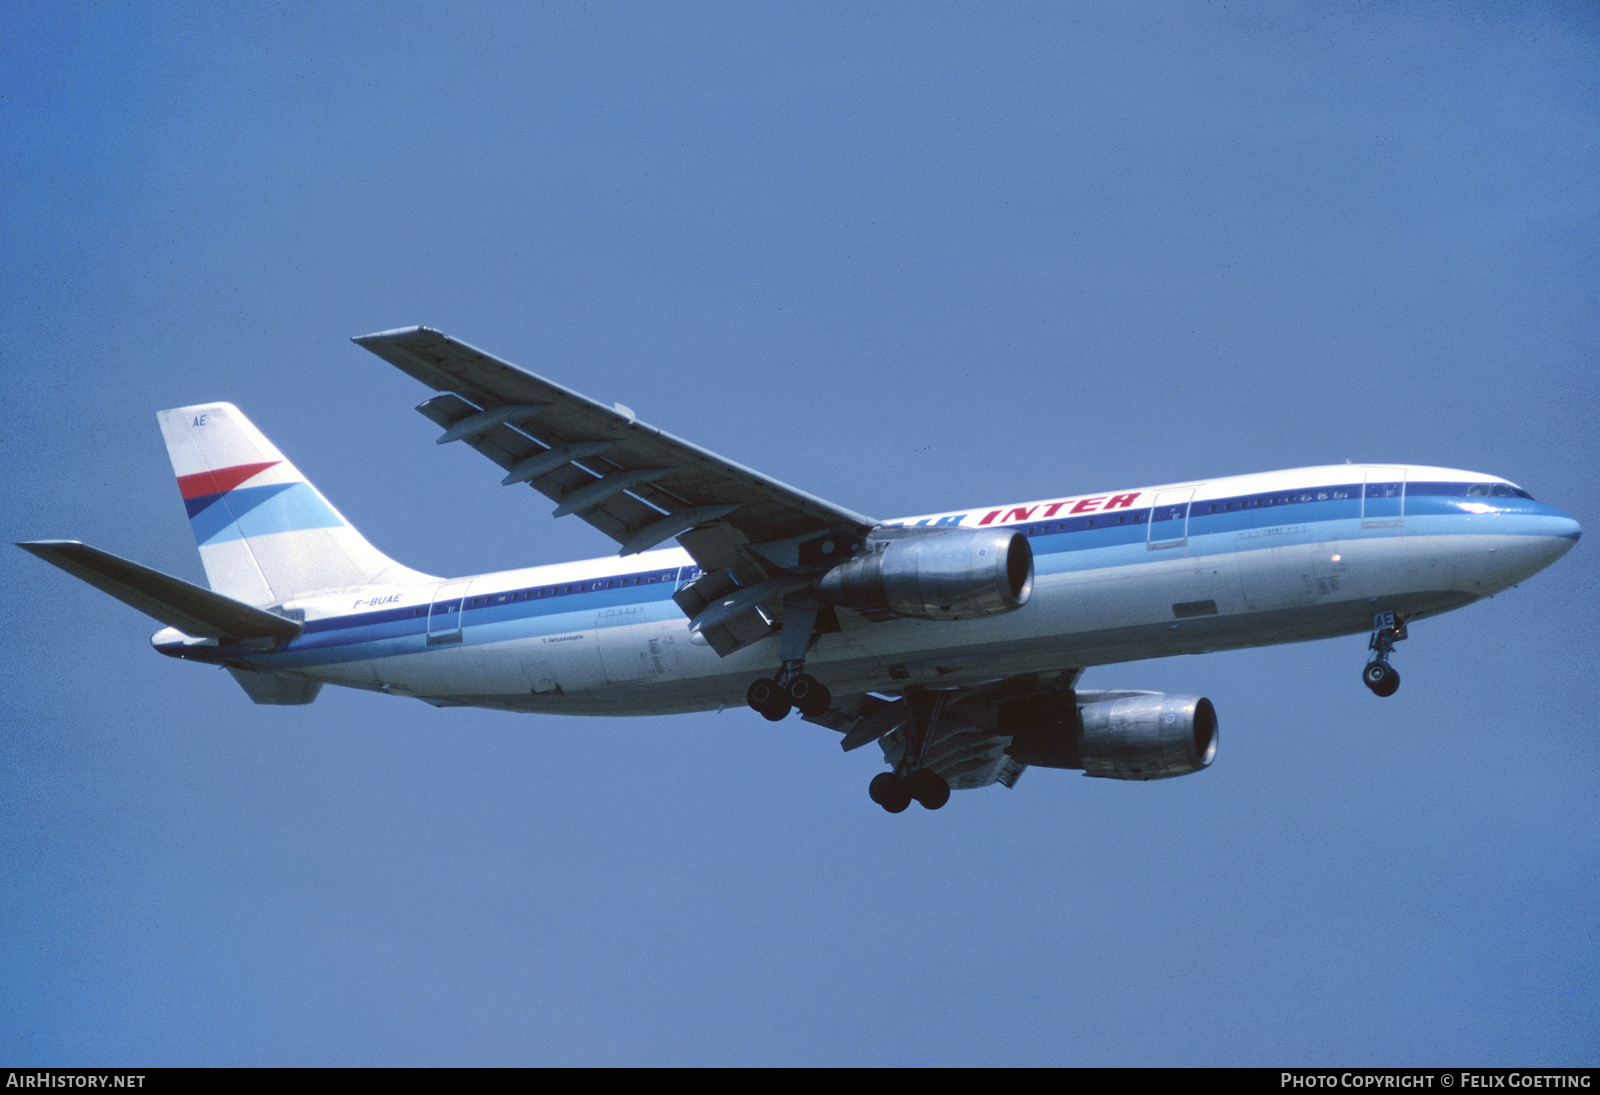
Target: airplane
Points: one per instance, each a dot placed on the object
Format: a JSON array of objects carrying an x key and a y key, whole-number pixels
[{"x": 955, "y": 641}]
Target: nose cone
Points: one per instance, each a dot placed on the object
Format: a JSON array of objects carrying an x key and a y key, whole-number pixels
[
  {"x": 1560, "y": 531},
  {"x": 1545, "y": 538}
]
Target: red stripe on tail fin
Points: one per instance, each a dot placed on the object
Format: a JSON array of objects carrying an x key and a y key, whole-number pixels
[{"x": 220, "y": 481}]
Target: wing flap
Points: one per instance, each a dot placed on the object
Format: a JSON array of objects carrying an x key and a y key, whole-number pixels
[{"x": 862, "y": 718}]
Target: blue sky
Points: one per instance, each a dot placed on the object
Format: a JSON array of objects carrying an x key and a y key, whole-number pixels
[{"x": 909, "y": 258}]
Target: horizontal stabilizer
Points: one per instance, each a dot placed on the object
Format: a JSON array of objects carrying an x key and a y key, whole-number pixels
[{"x": 175, "y": 602}]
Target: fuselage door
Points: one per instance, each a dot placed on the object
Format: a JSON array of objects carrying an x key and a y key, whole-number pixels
[
  {"x": 1169, "y": 518},
  {"x": 444, "y": 615},
  {"x": 1383, "y": 498}
]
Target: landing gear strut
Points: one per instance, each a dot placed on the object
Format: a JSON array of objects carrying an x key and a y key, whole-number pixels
[
  {"x": 793, "y": 687},
  {"x": 1379, "y": 675},
  {"x": 909, "y": 781}
]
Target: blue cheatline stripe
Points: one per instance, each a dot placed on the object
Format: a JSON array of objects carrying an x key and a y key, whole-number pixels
[
  {"x": 567, "y": 607},
  {"x": 1074, "y": 543},
  {"x": 259, "y": 511},
  {"x": 614, "y": 590},
  {"x": 1248, "y": 511}
]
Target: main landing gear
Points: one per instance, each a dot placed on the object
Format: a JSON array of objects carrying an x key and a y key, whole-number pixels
[
  {"x": 1379, "y": 675},
  {"x": 774, "y": 698},
  {"x": 909, "y": 781},
  {"x": 895, "y": 792},
  {"x": 793, "y": 687}
]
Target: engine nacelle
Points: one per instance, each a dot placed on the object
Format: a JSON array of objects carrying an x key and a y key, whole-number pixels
[
  {"x": 1138, "y": 735},
  {"x": 1148, "y": 737},
  {"x": 959, "y": 574}
]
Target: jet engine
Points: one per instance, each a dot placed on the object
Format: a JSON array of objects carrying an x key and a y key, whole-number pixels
[
  {"x": 1148, "y": 737},
  {"x": 1127, "y": 735},
  {"x": 959, "y": 574}
]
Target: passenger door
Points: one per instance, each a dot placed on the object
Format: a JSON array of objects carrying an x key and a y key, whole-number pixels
[
  {"x": 1383, "y": 498},
  {"x": 444, "y": 614},
  {"x": 1169, "y": 519}
]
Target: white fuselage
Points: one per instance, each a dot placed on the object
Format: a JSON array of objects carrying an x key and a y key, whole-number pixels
[{"x": 1184, "y": 568}]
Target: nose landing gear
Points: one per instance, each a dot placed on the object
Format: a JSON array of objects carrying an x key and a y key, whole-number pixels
[{"x": 1379, "y": 675}]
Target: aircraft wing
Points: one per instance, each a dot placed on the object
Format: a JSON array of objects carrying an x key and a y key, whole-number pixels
[{"x": 637, "y": 484}]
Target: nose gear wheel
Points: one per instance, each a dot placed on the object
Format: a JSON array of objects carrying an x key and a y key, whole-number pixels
[{"x": 1382, "y": 678}]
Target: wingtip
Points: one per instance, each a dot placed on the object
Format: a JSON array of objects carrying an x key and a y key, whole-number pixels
[{"x": 379, "y": 336}]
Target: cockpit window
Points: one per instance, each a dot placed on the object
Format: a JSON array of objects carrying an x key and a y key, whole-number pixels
[{"x": 1496, "y": 490}]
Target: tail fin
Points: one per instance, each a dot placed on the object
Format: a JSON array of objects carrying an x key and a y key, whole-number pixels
[{"x": 265, "y": 533}]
